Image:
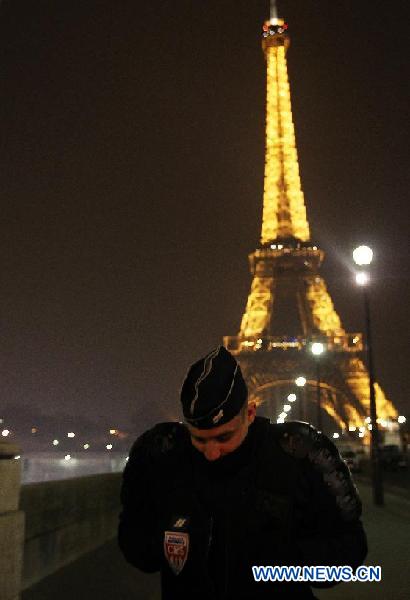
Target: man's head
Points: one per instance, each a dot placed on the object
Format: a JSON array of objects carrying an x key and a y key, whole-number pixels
[
  {"x": 219, "y": 441},
  {"x": 214, "y": 402}
]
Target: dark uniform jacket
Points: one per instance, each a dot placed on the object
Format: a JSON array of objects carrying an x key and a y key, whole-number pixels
[{"x": 284, "y": 497}]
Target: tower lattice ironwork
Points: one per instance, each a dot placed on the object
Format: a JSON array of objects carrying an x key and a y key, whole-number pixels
[{"x": 289, "y": 306}]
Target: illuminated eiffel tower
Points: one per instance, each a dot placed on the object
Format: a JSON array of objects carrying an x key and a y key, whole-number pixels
[{"x": 289, "y": 307}]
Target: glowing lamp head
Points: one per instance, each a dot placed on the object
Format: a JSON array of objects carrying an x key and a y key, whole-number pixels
[
  {"x": 362, "y": 278},
  {"x": 363, "y": 255},
  {"x": 317, "y": 348},
  {"x": 291, "y": 397},
  {"x": 401, "y": 419},
  {"x": 300, "y": 381}
]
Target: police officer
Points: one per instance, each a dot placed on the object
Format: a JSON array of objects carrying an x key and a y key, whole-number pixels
[{"x": 205, "y": 501}]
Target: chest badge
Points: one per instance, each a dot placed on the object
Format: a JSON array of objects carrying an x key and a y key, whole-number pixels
[{"x": 176, "y": 547}]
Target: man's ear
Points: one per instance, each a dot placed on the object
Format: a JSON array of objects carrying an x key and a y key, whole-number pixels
[{"x": 251, "y": 412}]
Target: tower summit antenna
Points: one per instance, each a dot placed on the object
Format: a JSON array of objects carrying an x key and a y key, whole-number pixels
[{"x": 273, "y": 11}]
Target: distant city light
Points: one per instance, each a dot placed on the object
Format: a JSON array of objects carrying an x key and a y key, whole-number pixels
[
  {"x": 55, "y": 442},
  {"x": 367, "y": 420},
  {"x": 336, "y": 435},
  {"x": 401, "y": 419},
  {"x": 300, "y": 381},
  {"x": 109, "y": 446},
  {"x": 352, "y": 428},
  {"x": 282, "y": 415},
  {"x": 17, "y": 457},
  {"x": 362, "y": 278},
  {"x": 71, "y": 434},
  {"x": 370, "y": 427},
  {"x": 86, "y": 446},
  {"x": 292, "y": 397},
  {"x": 67, "y": 457},
  {"x": 5, "y": 432},
  {"x": 287, "y": 407},
  {"x": 280, "y": 420},
  {"x": 317, "y": 348},
  {"x": 362, "y": 429},
  {"x": 34, "y": 430},
  {"x": 361, "y": 434},
  {"x": 113, "y": 431}
]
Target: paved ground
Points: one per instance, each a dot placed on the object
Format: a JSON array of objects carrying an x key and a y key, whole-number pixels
[{"x": 104, "y": 575}]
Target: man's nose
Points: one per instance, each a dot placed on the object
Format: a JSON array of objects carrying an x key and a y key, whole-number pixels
[{"x": 212, "y": 451}]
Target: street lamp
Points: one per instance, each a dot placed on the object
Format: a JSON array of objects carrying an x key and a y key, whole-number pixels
[
  {"x": 363, "y": 256},
  {"x": 301, "y": 382},
  {"x": 317, "y": 349}
]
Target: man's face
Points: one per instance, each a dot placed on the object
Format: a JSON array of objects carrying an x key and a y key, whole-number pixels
[{"x": 219, "y": 441}]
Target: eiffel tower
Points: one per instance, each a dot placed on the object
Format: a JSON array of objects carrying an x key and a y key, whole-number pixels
[{"x": 289, "y": 307}]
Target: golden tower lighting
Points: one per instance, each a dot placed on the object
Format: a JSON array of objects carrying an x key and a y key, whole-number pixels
[{"x": 286, "y": 280}]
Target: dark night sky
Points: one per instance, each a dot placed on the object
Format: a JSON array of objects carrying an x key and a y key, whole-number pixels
[{"x": 132, "y": 150}]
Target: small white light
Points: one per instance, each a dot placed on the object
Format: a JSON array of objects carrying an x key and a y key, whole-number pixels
[
  {"x": 280, "y": 420},
  {"x": 362, "y": 278},
  {"x": 259, "y": 341},
  {"x": 283, "y": 415},
  {"x": 292, "y": 397},
  {"x": 67, "y": 457},
  {"x": 55, "y": 442},
  {"x": 109, "y": 446},
  {"x": 336, "y": 435},
  {"x": 280, "y": 246},
  {"x": 300, "y": 381},
  {"x": 126, "y": 460},
  {"x": 401, "y": 419},
  {"x": 287, "y": 407},
  {"x": 361, "y": 434},
  {"x": 317, "y": 348},
  {"x": 352, "y": 428},
  {"x": 370, "y": 427},
  {"x": 367, "y": 420},
  {"x": 5, "y": 432},
  {"x": 113, "y": 431},
  {"x": 17, "y": 457},
  {"x": 86, "y": 446},
  {"x": 363, "y": 255},
  {"x": 71, "y": 434},
  {"x": 362, "y": 429}
]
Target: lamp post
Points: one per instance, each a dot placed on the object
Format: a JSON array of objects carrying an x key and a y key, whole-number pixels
[
  {"x": 363, "y": 256},
  {"x": 317, "y": 349},
  {"x": 301, "y": 382}
]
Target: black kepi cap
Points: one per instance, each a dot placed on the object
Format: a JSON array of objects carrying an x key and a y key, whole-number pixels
[{"x": 214, "y": 390}]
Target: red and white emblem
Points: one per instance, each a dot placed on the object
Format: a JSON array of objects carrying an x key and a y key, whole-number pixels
[{"x": 176, "y": 546}]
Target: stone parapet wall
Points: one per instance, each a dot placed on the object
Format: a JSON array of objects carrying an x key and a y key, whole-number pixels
[
  {"x": 65, "y": 519},
  {"x": 11, "y": 523}
]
